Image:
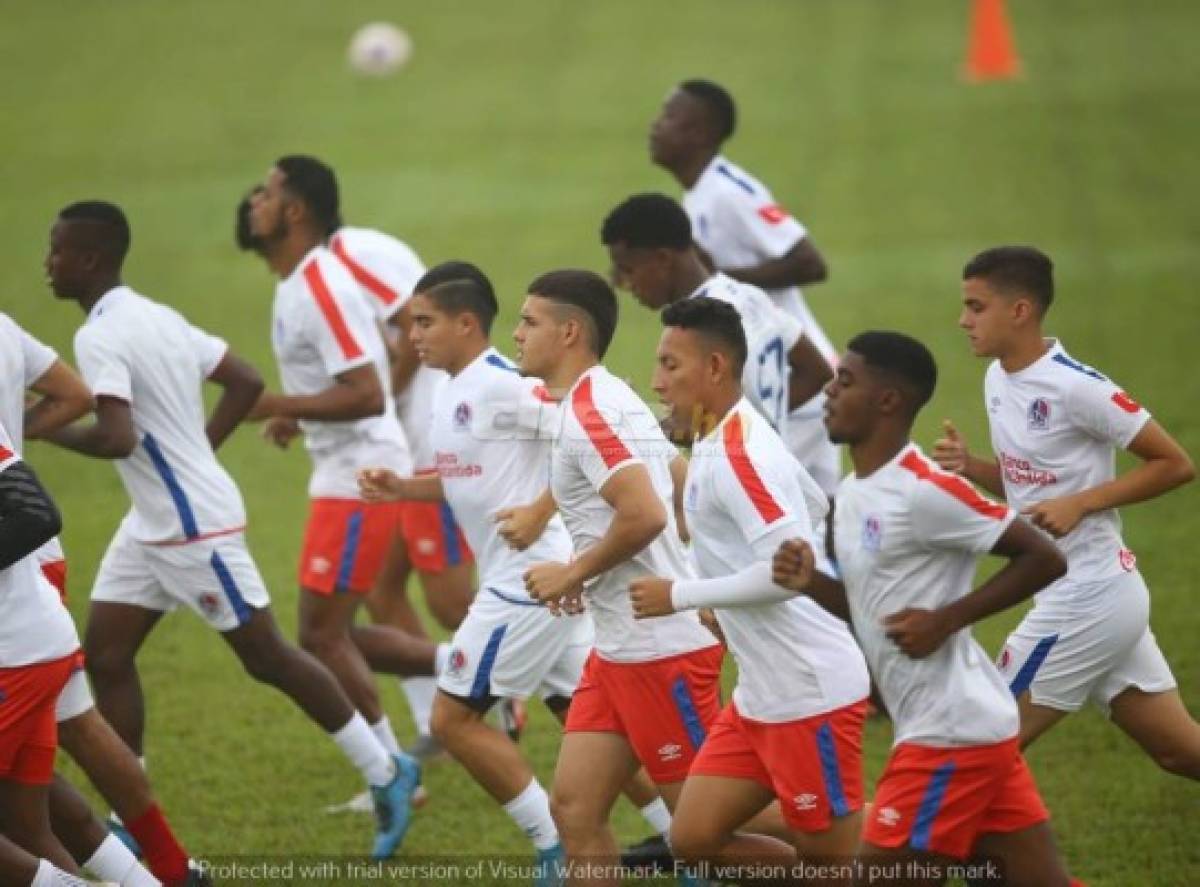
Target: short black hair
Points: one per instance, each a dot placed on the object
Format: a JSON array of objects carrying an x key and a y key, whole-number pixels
[
  {"x": 456, "y": 287},
  {"x": 111, "y": 234},
  {"x": 648, "y": 221},
  {"x": 587, "y": 291},
  {"x": 313, "y": 182},
  {"x": 1015, "y": 270},
  {"x": 717, "y": 321},
  {"x": 242, "y": 235},
  {"x": 716, "y": 98},
  {"x": 901, "y": 358}
]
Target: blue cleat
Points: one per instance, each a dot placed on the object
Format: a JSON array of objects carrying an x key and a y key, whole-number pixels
[
  {"x": 116, "y": 827},
  {"x": 550, "y": 868},
  {"x": 393, "y": 806}
]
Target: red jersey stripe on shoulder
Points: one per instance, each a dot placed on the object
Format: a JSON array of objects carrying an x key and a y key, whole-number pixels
[
  {"x": 329, "y": 309},
  {"x": 743, "y": 469},
  {"x": 369, "y": 281},
  {"x": 610, "y": 447},
  {"x": 954, "y": 485}
]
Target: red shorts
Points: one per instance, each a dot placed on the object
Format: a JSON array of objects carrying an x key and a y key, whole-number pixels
[
  {"x": 813, "y": 765},
  {"x": 663, "y": 707},
  {"x": 940, "y": 800},
  {"x": 28, "y": 728},
  {"x": 56, "y": 574},
  {"x": 432, "y": 537},
  {"x": 345, "y": 544}
]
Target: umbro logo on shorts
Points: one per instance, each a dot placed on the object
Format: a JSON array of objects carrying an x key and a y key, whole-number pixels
[
  {"x": 888, "y": 816},
  {"x": 320, "y": 565},
  {"x": 805, "y": 801},
  {"x": 670, "y": 752}
]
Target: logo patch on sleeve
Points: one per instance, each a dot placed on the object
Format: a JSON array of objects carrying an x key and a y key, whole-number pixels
[
  {"x": 772, "y": 214},
  {"x": 1125, "y": 402}
]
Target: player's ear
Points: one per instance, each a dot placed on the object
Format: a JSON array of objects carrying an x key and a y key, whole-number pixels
[
  {"x": 718, "y": 365},
  {"x": 889, "y": 400}
]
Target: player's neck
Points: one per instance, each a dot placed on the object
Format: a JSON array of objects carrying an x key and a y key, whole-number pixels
[
  {"x": 469, "y": 355},
  {"x": 870, "y": 455},
  {"x": 285, "y": 254},
  {"x": 722, "y": 402},
  {"x": 1024, "y": 352},
  {"x": 97, "y": 291},
  {"x": 573, "y": 365},
  {"x": 687, "y": 172},
  {"x": 691, "y": 276}
]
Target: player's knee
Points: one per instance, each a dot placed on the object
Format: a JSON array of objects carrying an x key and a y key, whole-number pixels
[
  {"x": 1180, "y": 760},
  {"x": 575, "y": 819},
  {"x": 692, "y": 842},
  {"x": 320, "y": 641},
  {"x": 105, "y": 662},
  {"x": 265, "y": 665}
]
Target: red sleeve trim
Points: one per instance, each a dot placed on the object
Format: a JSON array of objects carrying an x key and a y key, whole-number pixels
[
  {"x": 743, "y": 469},
  {"x": 331, "y": 312},
  {"x": 610, "y": 447},
  {"x": 369, "y": 281},
  {"x": 955, "y": 486}
]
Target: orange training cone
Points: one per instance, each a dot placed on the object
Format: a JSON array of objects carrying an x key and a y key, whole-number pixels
[{"x": 991, "y": 54}]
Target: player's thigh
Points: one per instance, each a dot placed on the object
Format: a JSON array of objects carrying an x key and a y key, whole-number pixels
[
  {"x": 126, "y": 602},
  {"x": 710, "y": 809},
  {"x": 1027, "y": 857},
  {"x": 448, "y": 593},
  {"x": 388, "y": 602},
  {"x": 1036, "y": 719},
  {"x": 592, "y": 769},
  {"x": 900, "y": 866}
]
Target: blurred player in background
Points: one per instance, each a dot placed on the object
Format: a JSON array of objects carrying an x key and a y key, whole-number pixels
[
  {"x": 908, "y": 537},
  {"x": 1056, "y": 425},
  {"x": 793, "y": 731},
  {"x": 183, "y": 540},
  {"x": 746, "y": 235}
]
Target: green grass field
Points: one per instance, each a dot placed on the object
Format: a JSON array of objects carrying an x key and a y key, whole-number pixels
[{"x": 513, "y": 130}]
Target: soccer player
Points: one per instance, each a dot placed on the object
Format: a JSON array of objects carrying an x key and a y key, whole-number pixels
[
  {"x": 183, "y": 539},
  {"x": 1055, "y": 427},
  {"x": 794, "y": 728},
  {"x": 908, "y": 537},
  {"x": 334, "y": 370},
  {"x": 430, "y": 542},
  {"x": 649, "y": 241},
  {"x": 745, "y": 234},
  {"x": 649, "y": 688},
  {"x": 490, "y": 436},
  {"x": 28, "y": 364},
  {"x": 19, "y": 867}
]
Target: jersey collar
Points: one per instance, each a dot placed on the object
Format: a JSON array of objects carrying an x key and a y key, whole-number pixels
[{"x": 106, "y": 301}]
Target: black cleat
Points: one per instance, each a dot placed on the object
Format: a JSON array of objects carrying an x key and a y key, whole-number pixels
[{"x": 649, "y": 857}]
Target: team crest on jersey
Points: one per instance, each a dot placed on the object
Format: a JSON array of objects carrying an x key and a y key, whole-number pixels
[
  {"x": 462, "y": 416},
  {"x": 456, "y": 663},
  {"x": 1039, "y": 414},
  {"x": 994, "y": 407},
  {"x": 872, "y": 533},
  {"x": 691, "y": 497},
  {"x": 210, "y": 603},
  {"x": 1005, "y": 658}
]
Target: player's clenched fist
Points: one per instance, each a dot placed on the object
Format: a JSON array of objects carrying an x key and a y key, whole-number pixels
[
  {"x": 793, "y": 565},
  {"x": 917, "y": 632},
  {"x": 380, "y": 485},
  {"x": 950, "y": 451},
  {"x": 547, "y": 582},
  {"x": 1057, "y": 516},
  {"x": 522, "y": 525},
  {"x": 651, "y": 596}
]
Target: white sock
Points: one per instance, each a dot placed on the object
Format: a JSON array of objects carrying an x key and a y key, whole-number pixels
[
  {"x": 112, "y": 861},
  {"x": 419, "y": 692},
  {"x": 440, "y": 658},
  {"x": 659, "y": 817},
  {"x": 365, "y": 751},
  {"x": 386, "y": 735},
  {"x": 50, "y": 875},
  {"x": 531, "y": 811}
]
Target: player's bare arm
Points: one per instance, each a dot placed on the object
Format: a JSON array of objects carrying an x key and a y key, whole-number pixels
[
  {"x": 801, "y": 265},
  {"x": 522, "y": 525},
  {"x": 64, "y": 397},
  {"x": 1033, "y": 563},
  {"x": 794, "y": 567},
  {"x": 810, "y": 373},
  {"x": 357, "y": 395},
  {"x": 28, "y": 516},
  {"x": 951, "y": 454},
  {"x": 385, "y": 485},
  {"x": 1164, "y": 466},
  {"x": 241, "y": 386},
  {"x": 638, "y": 518},
  {"x": 110, "y": 436},
  {"x": 679, "y": 468}
]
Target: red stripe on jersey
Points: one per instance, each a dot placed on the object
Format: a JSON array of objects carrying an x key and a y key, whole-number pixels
[
  {"x": 612, "y": 450},
  {"x": 1125, "y": 402},
  {"x": 542, "y": 393},
  {"x": 370, "y": 282},
  {"x": 735, "y": 448},
  {"x": 5, "y": 454},
  {"x": 955, "y": 486},
  {"x": 772, "y": 214},
  {"x": 333, "y": 314}
]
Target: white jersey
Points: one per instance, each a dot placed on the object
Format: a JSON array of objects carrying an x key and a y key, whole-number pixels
[
  {"x": 149, "y": 356},
  {"x": 770, "y": 336},
  {"x": 605, "y": 427},
  {"x": 745, "y": 495},
  {"x": 1055, "y": 428},
  {"x": 34, "y": 625},
  {"x": 491, "y": 436},
  {"x": 387, "y": 269},
  {"x": 323, "y": 327},
  {"x": 909, "y": 535},
  {"x": 23, "y": 360}
]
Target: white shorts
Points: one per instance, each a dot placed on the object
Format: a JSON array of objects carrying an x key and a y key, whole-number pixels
[
  {"x": 509, "y": 648},
  {"x": 75, "y": 698},
  {"x": 1093, "y": 645},
  {"x": 809, "y": 442},
  {"x": 215, "y": 577}
]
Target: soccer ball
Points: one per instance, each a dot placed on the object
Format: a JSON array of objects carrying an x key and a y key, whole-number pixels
[{"x": 379, "y": 49}]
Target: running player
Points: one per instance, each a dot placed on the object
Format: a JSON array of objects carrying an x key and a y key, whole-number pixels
[
  {"x": 746, "y": 234},
  {"x": 649, "y": 689},
  {"x": 908, "y": 537},
  {"x": 649, "y": 241},
  {"x": 794, "y": 728},
  {"x": 490, "y": 436},
  {"x": 183, "y": 539},
  {"x": 27, "y": 364},
  {"x": 1055, "y": 426}
]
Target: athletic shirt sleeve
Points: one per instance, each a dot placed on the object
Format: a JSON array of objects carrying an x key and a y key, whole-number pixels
[
  {"x": 1101, "y": 409},
  {"x": 36, "y": 357},
  {"x": 209, "y": 350},
  {"x": 947, "y": 512},
  {"x": 600, "y": 451},
  {"x": 537, "y": 412},
  {"x": 387, "y": 280},
  {"x": 762, "y": 225},
  {"x": 752, "y": 489},
  {"x": 102, "y": 365},
  {"x": 328, "y": 322},
  {"x": 790, "y": 329}
]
